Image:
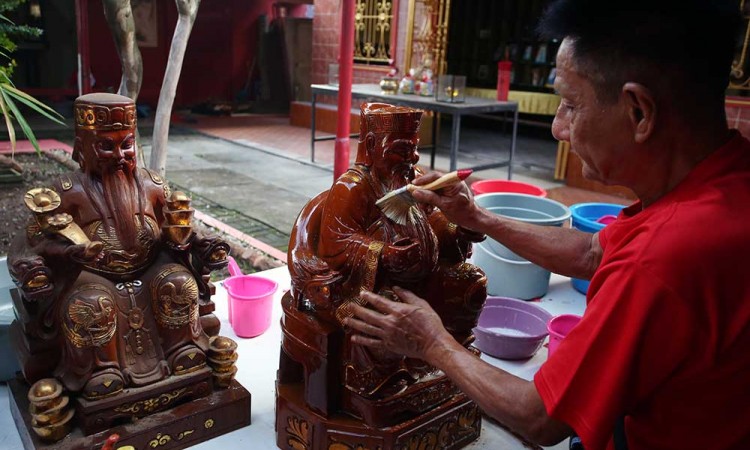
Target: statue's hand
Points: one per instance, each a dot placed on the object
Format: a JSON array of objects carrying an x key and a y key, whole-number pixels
[
  {"x": 85, "y": 253},
  {"x": 401, "y": 256}
]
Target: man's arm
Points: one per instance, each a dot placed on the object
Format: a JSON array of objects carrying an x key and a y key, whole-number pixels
[
  {"x": 412, "y": 328},
  {"x": 565, "y": 251}
]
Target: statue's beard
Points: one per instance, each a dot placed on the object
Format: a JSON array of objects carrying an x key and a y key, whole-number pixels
[{"x": 121, "y": 195}]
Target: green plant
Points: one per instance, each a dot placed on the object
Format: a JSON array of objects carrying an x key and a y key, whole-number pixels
[{"x": 9, "y": 94}]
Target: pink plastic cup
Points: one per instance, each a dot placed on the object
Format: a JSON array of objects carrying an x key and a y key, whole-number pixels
[
  {"x": 250, "y": 301},
  {"x": 559, "y": 327}
]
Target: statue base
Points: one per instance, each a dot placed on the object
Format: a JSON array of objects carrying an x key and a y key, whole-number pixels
[
  {"x": 451, "y": 425},
  {"x": 187, "y": 424}
]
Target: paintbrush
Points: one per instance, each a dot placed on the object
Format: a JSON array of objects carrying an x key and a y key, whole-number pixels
[{"x": 396, "y": 205}]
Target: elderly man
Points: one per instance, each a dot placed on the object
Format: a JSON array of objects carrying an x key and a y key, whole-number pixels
[{"x": 664, "y": 340}]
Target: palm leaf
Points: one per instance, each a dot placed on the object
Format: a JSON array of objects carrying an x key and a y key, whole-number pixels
[
  {"x": 21, "y": 121},
  {"x": 2, "y": 17},
  {"x": 9, "y": 124},
  {"x": 33, "y": 103}
]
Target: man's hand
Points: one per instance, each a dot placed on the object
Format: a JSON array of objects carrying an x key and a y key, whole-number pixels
[
  {"x": 456, "y": 202},
  {"x": 411, "y": 328}
]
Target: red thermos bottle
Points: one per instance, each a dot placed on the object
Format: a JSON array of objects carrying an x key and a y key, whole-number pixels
[{"x": 504, "y": 70}]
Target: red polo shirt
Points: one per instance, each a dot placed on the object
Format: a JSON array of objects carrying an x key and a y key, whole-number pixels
[{"x": 665, "y": 339}]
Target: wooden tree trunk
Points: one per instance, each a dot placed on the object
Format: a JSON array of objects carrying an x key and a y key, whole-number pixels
[
  {"x": 119, "y": 14},
  {"x": 187, "y": 10}
]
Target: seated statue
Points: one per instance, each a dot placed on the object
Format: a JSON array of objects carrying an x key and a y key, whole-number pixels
[
  {"x": 342, "y": 244},
  {"x": 114, "y": 298}
]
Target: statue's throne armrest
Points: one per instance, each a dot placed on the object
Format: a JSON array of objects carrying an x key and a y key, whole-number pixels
[{"x": 311, "y": 336}]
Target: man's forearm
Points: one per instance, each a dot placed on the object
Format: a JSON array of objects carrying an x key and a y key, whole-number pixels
[
  {"x": 510, "y": 400},
  {"x": 565, "y": 251}
]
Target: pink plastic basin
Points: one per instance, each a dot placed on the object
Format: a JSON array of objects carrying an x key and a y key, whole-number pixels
[
  {"x": 516, "y": 187},
  {"x": 250, "y": 303},
  {"x": 559, "y": 327}
]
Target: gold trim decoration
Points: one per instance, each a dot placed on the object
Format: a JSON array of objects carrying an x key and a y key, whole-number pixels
[
  {"x": 104, "y": 118},
  {"x": 91, "y": 327},
  {"x": 66, "y": 183},
  {"x": 298, "y": 430},
  {"x": 150, "y": 405},
  {"x": 372, "y": 31},
  {"x": 160, "y": 439},
  {"x": 174, "y": 306},
  {"x": 209, "y": 423},
  {"x": 368, "y": 283},
  {"x": 184, "y": 434}
]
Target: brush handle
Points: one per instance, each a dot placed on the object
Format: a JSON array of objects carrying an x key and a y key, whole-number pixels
[{"x": 446, "y": 180}]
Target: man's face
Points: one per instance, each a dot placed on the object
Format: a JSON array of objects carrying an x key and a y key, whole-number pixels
[
  {"x": 399, "y": 154},
  {"x": 110, "y": 151},
  {"x": 599, "y": 132}
]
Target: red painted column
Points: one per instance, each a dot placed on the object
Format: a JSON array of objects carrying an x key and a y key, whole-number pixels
[
  {"x": 346, "y": 57},
  {"x": 84, "y": 60}
]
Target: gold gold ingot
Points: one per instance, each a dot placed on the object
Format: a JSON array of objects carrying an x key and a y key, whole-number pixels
[
  {"x": 53, "y": 433},
  {"x": 179, "y": 216},
  {"x": 179, "y": 234},
  {"x": 224, "y": 379},
  {"x": 51, "y": 415},
  {"x": 45, "y": 390},
  {"x": 178, "y": 200},
  {"x": 222, "y": 361},
  {"x": 221, "y": 344}
]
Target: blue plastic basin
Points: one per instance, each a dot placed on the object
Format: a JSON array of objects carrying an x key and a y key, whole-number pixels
[{"x": 585, "y": 217}]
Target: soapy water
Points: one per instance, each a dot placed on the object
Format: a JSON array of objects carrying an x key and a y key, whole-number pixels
[{"x": 505, "y": 331}]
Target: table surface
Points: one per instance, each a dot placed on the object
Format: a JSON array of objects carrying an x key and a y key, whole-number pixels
[
  {"x": 472, "y": 105},
  {"x": 259, "y": 358}
]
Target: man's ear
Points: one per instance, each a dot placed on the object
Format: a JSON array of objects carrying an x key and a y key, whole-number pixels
[{"x": 641, "y": 107}]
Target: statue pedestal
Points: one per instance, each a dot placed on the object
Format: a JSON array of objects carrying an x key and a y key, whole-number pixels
[
  {"x": 187, "y": 424},
  {"x": 452, "y": 425}
]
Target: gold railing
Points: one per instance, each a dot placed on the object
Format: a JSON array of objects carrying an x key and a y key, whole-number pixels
[
  {"x": 739, "y": 77},
  {"x": 427, "y": 34},
  {"x": 372, "y": 31}
]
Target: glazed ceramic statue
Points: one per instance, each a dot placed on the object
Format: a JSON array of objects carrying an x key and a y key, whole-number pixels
[
  {"x": 343, "y": 244},
  {"x": 115, "y": 302}
]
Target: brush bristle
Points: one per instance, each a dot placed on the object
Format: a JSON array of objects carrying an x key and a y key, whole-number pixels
[{"x": 396, "y": 205}]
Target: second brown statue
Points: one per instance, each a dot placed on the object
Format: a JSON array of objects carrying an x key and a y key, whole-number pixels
[{"x": 332, "y": 393}]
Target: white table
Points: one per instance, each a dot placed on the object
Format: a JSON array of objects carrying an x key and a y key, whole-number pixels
[
  {"x": 259, "y": 359},
  {"x": 470, "y": 106}
]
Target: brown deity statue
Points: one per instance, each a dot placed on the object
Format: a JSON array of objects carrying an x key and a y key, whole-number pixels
[
  {"x": 342, "y": 244},
  {"x": 113, "y": 295}
]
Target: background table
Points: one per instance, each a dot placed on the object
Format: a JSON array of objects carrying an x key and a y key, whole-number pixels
[
  {"x": 259, "y": 359},
  {"x": 471, "y": 106}
]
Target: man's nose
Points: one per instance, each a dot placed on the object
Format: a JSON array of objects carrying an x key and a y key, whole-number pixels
[{"x": 560, "y": 128}]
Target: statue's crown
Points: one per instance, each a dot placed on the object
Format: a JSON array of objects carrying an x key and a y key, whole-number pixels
[
  {"x": 104, "y": 112},
  {"x": 385, "y": 118}
]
